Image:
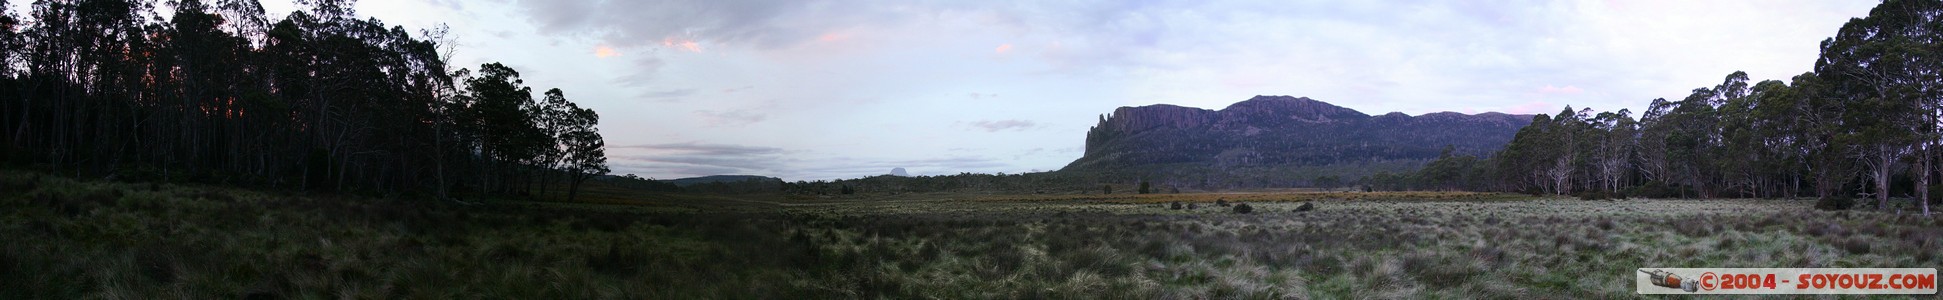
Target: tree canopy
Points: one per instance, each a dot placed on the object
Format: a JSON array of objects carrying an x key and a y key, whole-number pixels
[
  {"x": 1864, "y": 122},
  {"x": 320, "y": 100}
]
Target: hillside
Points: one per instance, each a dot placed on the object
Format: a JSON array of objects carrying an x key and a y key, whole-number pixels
[{"x": 1277, "y": 141}]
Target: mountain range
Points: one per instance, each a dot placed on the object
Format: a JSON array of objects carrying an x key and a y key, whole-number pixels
[{"x": 1278, "y": 141}]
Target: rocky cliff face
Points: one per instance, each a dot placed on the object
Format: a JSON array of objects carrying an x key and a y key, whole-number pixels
[{"x": 1277, "y": 132}]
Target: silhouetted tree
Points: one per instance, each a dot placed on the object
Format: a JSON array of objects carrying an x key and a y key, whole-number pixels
[{"x": 318, "y": 100}]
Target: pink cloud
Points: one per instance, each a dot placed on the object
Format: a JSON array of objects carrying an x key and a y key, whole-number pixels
[
  {"x": 1002, "y": 49},
  {"x": 683, "y": 44},
  {"x": 604, "y": 51},
  {"x": 832, "y": 37}
]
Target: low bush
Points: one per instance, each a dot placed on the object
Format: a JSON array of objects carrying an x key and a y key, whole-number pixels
[
  {"x": 1595, "y": 195},
  {"x": 1244, "y": 208},
  {"x": 1837, "y": 202},
  {"x": 1656, "y": 189},
  {"x": 1306, "y": 207}
]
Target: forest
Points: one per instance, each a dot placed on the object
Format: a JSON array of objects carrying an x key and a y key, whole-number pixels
[
  {"x": 1864, "y": 122},
  {"x": 320, "y": 100}
]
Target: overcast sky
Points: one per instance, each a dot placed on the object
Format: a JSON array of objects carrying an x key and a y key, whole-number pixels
[{"x": 808, "y": 89}]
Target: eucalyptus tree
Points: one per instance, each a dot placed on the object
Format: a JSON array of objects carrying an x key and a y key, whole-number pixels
[{"x": 1884, "y": 67}]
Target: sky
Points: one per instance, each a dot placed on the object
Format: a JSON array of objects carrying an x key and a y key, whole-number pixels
[{"x": 817, "y": 90}]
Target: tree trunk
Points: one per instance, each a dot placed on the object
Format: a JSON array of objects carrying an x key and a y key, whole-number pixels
[
  {"x": 573, "y": 190},
  {"x": 1923, "y": 178},
  {"x": 1881, "y": 174}
]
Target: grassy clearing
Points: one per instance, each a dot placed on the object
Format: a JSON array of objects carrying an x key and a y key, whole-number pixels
[
  {"x": 116, "y": 240},
  {"x": 1264, "y": 196}
]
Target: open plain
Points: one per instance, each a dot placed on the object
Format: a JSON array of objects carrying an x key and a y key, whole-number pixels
[{"x": 112, "y": 240}]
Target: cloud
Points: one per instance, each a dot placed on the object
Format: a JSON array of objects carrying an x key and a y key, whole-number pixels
[
  {"x": 646, "y": 63},
  {"x": 674, "y": 95},
  {"x": 912, "y": 60},
  {"x": 832, "y": 37},
  {"x": 1567, "y": 90},
  {"x": 1103, "y": 33},
  {"x": 710, "y": 149},
  {"x": 735, "y": 22},
  {"x": 731, "y": 118},
  {"x": 690, "y": 159},
  {"x": 714, "y": 161},
  {"x": 1029, "y": 153},
  {"x": 697, "y": 159},
  {"x": 1001, "y": 125},
  {"x": 604, "y": 51},
  {"x": 681, "y": 44}
]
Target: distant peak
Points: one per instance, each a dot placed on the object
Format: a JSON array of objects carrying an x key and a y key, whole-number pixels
[
  {"x": 1280, "y": 97},
  {"x": 1263, "y": 100},
  {"x": 1275, "y": 109}
]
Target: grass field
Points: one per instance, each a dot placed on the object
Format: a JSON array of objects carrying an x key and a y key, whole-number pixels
[{"x": 70, "y": 239}]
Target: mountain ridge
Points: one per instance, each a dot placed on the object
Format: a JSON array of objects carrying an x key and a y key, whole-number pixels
[{"x": 1269, "y": 132}]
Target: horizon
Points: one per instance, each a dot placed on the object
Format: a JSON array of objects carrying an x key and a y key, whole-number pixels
[{"x": 823, "y": 90}]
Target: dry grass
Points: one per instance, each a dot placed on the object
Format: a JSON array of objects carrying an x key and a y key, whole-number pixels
[
  {"x": 112, "y": 240},
  {"x": 1265, "y": 196}
]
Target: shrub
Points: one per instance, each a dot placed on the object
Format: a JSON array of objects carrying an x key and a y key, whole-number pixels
[
  {"x": 1221, "y": 202},
  {"x": 1836, "y": 202},
  {"x": 1192, "y": 206},
  {"x": 615, "y": 262},
  {"x": 1936, "y": 193},
  {"x": 1306, "y": 206},
  {"x": 1175, "y": 206},
  {"x": 1856, "y": 245},
  {"x": 1244, "y": 209},
  {"x": 1595, "y": 195},
  {"x": 102, "y": 196},
  {"x": 1144, "y": 188},
  {"x": 1656, "y": 189},
  {"x": 18, "y": 184}
]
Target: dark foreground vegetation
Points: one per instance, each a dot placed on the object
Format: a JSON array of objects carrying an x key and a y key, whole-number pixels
[
  {"x": 141, "y": 240},
  {"x": 321, "y": 100}
]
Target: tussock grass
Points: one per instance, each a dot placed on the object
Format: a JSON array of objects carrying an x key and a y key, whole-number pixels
[{"x": 116, "y": 240}]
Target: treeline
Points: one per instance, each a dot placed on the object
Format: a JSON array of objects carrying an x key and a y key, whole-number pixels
[
  {"x": 1865, "y": 121},
  {"x": 320, "y": 100}
]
